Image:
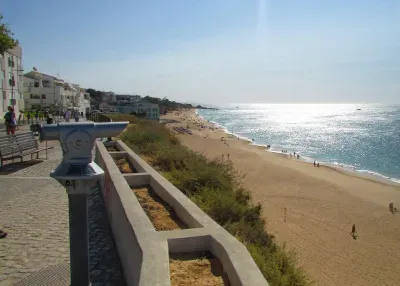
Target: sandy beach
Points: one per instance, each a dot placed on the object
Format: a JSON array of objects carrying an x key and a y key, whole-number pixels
[{"x": 321, "y": 206}]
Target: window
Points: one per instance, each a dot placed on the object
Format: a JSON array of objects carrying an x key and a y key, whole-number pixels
[
  {"x": 35, "y": 96},
  {"x": 10, "y": 61},
  {"x": 4, "y": 101},
  {"x": 43, "y": 96},
  {"x": 11, "y": 80},
  {"x": 2, "y": 76}
]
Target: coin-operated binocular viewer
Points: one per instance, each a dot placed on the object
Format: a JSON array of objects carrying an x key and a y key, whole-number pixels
[{"x": 78, "y": 173}]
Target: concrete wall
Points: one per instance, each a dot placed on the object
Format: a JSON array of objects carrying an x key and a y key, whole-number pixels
[{"x": 143, "y": 251}]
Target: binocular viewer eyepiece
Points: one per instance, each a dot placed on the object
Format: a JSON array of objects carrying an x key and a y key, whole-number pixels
[
  {"x": 50, "y": 132},
  {"x": 77, "y": 142}
]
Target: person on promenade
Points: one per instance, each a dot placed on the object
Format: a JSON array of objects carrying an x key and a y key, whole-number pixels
[
  {"x": 3, "y": 234},
  {"x": 9, "y": 119},
  {"x": 76, "y": 116},
  {"x": 67, "y": 115}
]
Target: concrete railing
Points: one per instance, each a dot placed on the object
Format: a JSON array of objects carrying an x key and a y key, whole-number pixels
[{"x": 144, "y": 252}]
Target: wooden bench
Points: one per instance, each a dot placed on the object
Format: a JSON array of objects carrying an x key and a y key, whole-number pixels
[
  {"x": 9, "y": 150},
  {"x": 20, "y": 145}
]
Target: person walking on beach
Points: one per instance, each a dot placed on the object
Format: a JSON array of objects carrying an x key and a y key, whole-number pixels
[
  {"x": 391, "y": 207},
  {"x": 353, "y": 232},
  {"x": 314, "y": 163}
]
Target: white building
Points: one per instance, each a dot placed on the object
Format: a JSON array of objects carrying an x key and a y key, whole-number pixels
[
  {"x": 46, "y": 91},
  {"x": 127, "y": 98},
  {"x": 152, "y": 111},
  {"x": 81, "y": 99},
  {"x": 11, "y": 81},
  {"x": 108, "y": 96}
]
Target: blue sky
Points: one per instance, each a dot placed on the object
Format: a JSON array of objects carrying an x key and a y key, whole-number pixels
[{"x": 217, "y": 51}]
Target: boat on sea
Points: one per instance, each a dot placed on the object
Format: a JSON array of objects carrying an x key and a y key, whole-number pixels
[{"x": 358, "y": 108}]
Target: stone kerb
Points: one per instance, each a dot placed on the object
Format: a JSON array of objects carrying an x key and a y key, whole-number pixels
[
  {"x": 139, "y": 246},
  {"x": 144, "y": 252}
]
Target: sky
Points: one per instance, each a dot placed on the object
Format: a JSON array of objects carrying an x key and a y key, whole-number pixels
[{"x": 217, "y": 51}]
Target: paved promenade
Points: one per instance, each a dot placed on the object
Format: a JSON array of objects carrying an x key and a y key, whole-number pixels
[{"x": 34, "y": 213}]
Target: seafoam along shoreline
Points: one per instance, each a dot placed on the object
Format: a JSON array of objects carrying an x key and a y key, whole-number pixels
[{"x": 367, "y": 174}]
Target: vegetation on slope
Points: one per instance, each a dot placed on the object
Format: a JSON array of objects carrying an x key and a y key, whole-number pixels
[
  {"x": 164, "y": 103},
  {"x": 215, "y": 186}
]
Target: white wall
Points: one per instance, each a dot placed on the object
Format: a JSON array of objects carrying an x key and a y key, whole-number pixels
[
  {"x": 152, "y": 110},
  {"x": 5, "y": 87},
  {"x": 49, "y": 94}
]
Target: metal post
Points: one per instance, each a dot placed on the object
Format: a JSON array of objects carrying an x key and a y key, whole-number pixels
[
  {"x": 12, "y": 89},
  {"x": 79, "y": 238},
  {"x": 77, "y": 173}
]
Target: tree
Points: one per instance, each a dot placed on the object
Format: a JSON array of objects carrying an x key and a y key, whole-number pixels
[{"x": 7, "y": 42}]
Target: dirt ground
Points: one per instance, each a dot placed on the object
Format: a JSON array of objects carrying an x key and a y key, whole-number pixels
[
  {"x": 161, "y": 214},
  {"x": 187, "y": 269}
]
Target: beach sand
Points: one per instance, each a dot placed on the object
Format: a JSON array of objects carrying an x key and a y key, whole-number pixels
[{"x": 321, "y": 205}]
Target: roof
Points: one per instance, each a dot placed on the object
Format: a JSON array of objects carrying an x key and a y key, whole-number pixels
[{"x": 33, "y": 75}]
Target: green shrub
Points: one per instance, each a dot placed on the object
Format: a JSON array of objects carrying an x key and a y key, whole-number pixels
[
  {"x": 215, "y": 186},
  {"x": 122, "y": 117}
]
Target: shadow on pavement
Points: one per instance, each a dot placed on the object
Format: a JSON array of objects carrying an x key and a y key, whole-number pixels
[
  {"x": 17, "y": 166},
  {"x": 105, "y": 266}
]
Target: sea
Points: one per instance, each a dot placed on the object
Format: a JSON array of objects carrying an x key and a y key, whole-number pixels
[{"x": 363, "y": 138}]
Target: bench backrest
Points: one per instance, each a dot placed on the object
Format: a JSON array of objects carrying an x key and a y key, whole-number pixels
[
  {"x": 26, "y": 141},
  {"x": 8, "y": 147}
]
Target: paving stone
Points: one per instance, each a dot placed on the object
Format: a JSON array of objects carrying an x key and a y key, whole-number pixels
[{"x": 34, "y": 213}]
